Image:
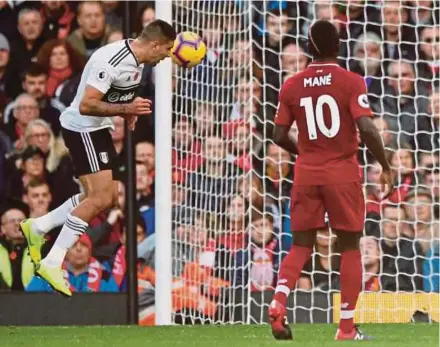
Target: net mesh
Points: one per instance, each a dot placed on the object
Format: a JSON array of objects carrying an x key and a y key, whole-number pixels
[{"x": 231, "y": 183}]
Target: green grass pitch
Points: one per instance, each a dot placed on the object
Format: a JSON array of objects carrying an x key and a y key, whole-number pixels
[{"x": 305, "y": 335}]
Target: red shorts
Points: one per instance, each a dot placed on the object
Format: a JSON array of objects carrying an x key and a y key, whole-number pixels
[{"x": 344, "y": 204}]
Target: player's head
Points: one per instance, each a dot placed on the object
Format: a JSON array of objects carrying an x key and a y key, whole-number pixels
[
  {"x": 323, "y": 40},
  {"x": 158, "y": 38}
]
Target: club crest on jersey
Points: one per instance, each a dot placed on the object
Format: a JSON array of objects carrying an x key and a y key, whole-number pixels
[
  {"x": 318, "y": 81},
  {"x": 102, "y": 75},
  {"x": 104, "y": 157}
]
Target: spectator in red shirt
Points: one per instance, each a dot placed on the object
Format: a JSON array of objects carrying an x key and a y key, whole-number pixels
[
  {"x": 61, "y": 63},
  {"x": 186, "y": 155},
  {"x": 370, "y": 252},
  {"x": 238, "y": 136},
  {"x": 57, "y": 18}
]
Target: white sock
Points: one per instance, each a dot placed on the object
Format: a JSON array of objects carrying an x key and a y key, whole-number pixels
[
  {"x": 57, "y": 217},
  {"x": 72, "y": 230}
]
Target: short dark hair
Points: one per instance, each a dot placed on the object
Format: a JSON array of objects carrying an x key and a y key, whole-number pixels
[
  {"x": 158, "y": 30},
  {"x": 323, "y": 40},
  {"x": 34, "y": 70},
  {"x": 34, "y": 183}
]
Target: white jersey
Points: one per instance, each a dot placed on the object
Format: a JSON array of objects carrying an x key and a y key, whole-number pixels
[{"x": 114, "y": 71}]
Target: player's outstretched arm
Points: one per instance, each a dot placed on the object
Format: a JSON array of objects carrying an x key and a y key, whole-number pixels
[
  {"x": 283, "y": 138},
  {"x": 92, "y": 105},
  {"x": 371, "y": 137}
]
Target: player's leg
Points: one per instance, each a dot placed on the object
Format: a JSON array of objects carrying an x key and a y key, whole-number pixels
[
  {"x": 307, "y": 216},
  {"x": 34, "y": 229},
  {"x": 346, "y": 211},
  {"x": 99, "y": 195},
  {"x": 93, "y": 156}
]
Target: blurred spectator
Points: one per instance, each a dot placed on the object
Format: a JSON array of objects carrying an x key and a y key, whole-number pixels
[
  {"x": 431, "y": 270},
  {"x": 237, "y": 215},
  {"x": 25, "y": 110},
  {"x": 259, "y": 267},
  {"x": 238, "y": 136},
  {"x": 31, "y": 168},
  {"x": 58, "y": 19},
  {"x": 60, "y": 61},
  {"x": 35, "y": 84},
  {"x": 431, "y": 180},
  {"x": 323, "y": 267},
  {"x": 8, "y": 88},
  {"x": 213, "y": 184},
  {"x": 37, "y": 196},
  {"x": 114, "y": 36},
  {"x": 118, "y": 134},
  {"x": 83, "y": 272},
  {"x": 246, "y": 100},
  {"x": 16, "y": 268},
  {"x": 8, "y": 19},
  {"x": 144, "y": 187},
  {"x": 206, "y": 119},
  {"x": 402, "y": 163},
  {"x": 147, "y": 15},
  {"x": 146, "y": 155},
  {"x": 398, "y": 34},
  {"x": 434, "y": 112},
  {"x": 93, "y": 31},
  {"x": 420, "y": 218},
  {"x": 24, "y": 47},
  {"x": 429, "y": 63},
  {"x": 405, "y": 105},
  {"x": 110, "y": 221},
  {"x": 212, "y": 35},
  {"x": 367, "y": 62},
  {"x": 422, "y": 11},
  {"x": 186, "y": 155},
  {"x": 5, "y": 148},
  {"x": 113, "y": 15},
  {"x": 370, "y": 252},
  {"x": 401, "y": 261},
  {"x": 293, "y": 59},
  {"x": 58, "y": 163},
  {"x": 383, "y": 127},
  {"x": 39, "y": 134},
  {"x": 278, "y": 171}
]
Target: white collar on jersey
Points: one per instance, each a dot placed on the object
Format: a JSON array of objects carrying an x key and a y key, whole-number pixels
[{"x": 323, "y": 64}]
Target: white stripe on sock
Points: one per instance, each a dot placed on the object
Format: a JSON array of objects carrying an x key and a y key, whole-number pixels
[
  {"x": 283, "y": 289},
  {"x": 347, "y": 314}
]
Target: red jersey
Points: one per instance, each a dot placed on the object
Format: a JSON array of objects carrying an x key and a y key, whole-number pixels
[{"x": 324, "y": 100}]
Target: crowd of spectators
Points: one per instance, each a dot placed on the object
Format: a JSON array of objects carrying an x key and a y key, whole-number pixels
[{"x": 231, "y": 183}]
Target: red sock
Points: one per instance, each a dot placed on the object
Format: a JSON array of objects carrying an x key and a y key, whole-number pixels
[
  {"x": 290, "y": 270},
  {"x": 351, "y": 285}
]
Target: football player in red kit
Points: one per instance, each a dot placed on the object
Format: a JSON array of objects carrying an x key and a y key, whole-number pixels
[{"x": 328, "y": 104}]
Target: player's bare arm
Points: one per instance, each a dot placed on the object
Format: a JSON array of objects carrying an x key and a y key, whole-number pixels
[
  {"x": 92, "y": 105},
  {"x": 371, "y": 137},
  {"x": 283, "y": 138}
]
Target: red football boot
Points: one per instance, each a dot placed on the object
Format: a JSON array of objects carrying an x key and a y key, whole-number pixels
[
  {"x": 278, "y": 321},
  {"x": 355, "y": 334}
]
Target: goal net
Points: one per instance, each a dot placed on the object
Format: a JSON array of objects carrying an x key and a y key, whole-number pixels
[{"x": 231, "y": 183}]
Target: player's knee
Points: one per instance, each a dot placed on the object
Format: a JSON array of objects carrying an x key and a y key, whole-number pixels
[
  {"x": 103, "y": 199},
  {"x": 347, "y": 240}
]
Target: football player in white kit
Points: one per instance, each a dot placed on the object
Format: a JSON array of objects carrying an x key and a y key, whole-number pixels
[{"x": 107, "y": 89}]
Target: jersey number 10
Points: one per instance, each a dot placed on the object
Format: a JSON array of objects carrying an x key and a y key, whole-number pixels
[{"x": 315, "y": 116}]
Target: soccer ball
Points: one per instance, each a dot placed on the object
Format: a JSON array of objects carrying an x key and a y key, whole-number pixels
[{"x": 188, "y": 50}]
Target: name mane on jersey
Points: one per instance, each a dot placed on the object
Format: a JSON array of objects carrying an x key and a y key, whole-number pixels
[
  {"x": 318, "y": 81},
  {"x": 121, "y": 95}
]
